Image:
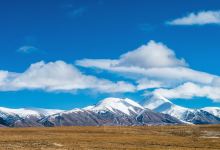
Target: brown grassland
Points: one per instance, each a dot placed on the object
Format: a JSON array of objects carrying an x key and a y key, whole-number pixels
[{"x": 204, "y": 137}]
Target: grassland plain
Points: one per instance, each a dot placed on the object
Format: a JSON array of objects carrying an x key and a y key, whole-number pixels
[{"x": 204, "y": 137}]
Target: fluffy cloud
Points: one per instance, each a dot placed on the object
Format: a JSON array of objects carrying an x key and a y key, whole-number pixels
[
  {"x": 190, "y": 90},
  {"x": 148, "y": 84},
  {"x": 200, "y": 18},
  {"x": 146, "y": 56},
  {"x": 3, "y": 76},
  {"x": 153, "y": 61},
  {"x": 155, "y": 66},
  {"x": 58, "y": 76}
]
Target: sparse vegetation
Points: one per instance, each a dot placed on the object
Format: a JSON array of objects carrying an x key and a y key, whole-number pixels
[{"x": 112, "y": 138}]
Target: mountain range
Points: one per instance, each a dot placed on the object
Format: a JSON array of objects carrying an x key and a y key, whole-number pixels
[
  {"x": 207, "y": 115},
  {"x": 153, "y": 110}
]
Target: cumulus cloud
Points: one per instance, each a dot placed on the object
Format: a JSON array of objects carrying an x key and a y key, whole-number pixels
[
  {"x": 153, "y": 61},
  {"x": 155, "y": 66},
  {"x": 146, "y": 56},
  {"x": 200, "y": 18},
  {"x": 152, "y": 66},
  {"x": 59, "y": 76},
  {"x": 190, "y": 90},
  {"x": 138, "y": 63}
]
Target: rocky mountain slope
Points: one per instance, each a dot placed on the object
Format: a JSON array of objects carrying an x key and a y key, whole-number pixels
[{"x": 110, "y": 111}]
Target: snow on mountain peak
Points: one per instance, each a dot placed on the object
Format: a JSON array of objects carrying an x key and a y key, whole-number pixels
[
  {"x": 158, "y": 103},
  {"x": 125, "y": 106},
  {"x": 24, "y": 112},
  {"x": 154, "y": 101},
  {"x": 213, "y": 110}
]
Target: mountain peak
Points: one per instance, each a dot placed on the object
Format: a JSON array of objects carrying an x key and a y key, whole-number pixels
[
  {"x": 112, "y": 104},
  {"x": 155, "y": 100},
  {"x": 160, "y": 104},
  {"x": 113, "y": 100},
  {"x": 26, "y": 112},
  {"x": 213, "y": 110}
]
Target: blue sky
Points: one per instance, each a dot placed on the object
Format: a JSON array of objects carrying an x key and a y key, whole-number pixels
[{"x": 71, "y": 30}]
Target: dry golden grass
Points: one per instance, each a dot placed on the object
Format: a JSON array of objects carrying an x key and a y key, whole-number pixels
[{"x": 112, "y": 138}]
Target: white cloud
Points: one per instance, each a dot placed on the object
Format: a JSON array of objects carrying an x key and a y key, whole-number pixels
[
  {"x": 179, "y": 74},
  {"x": 155, "y": 66},
  {"x": 151, "y": 66},
  {"x": 27, "y": 49},
  {"x": 190, "y": 90},
  {"x": 200, "y": 18},
  {"x": 59, "y": 76},
  {"x": 176, "y": 74},
  {"x": 153, "y": 61},
  {"x": 148, "y": 84},
  {"x": 3, "y": 76},
  {"x": 146, "y": 56}
]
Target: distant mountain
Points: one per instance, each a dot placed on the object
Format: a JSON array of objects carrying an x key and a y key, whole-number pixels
[
  {"x": 213, "y": 110},
  {"x": 153, "y": 110},
  {"x": 24, "y": 117},
  {"x": 110, "y": 111},
  {"x": 158, "y": 103}
]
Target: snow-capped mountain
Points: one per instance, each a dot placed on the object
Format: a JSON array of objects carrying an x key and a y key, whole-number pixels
[
  {"x": 160, "y": 104},
  {"x": 116, "y": 105},
  {"x": 26, "y": 112},
  {"x": 154, "y": 110},
  {"x": 110, "y": 111},
  {"x": 24, "y": 117},
  {"x": 213, "y": 110}
]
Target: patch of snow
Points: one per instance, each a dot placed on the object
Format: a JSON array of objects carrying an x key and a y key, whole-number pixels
[
  {"x": 158, "y": 103},
  {"x": 72, "y": 111},
  {"x": 57, "y": 144},
  {"x": 88, "y": 108},
  {"x": 24, "y": 113},
  {"x": 154, "y": 101},
  {"x": 125, "y": 106},
  {"x": 213, "y": 110}
]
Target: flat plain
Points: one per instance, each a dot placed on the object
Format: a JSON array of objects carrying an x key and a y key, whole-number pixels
[{"x": 193, "y": 137}]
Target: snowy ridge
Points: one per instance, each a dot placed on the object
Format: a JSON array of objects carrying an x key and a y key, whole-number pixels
[
  {"x": 213, "y": 110},
  {"x": 154, "y": 101},
  {"x": 160, "y": 104},
  {"x": 25, "y": 113},
  {"x": 125, "y": 106},
  {"x": 112, "y": 111}
]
